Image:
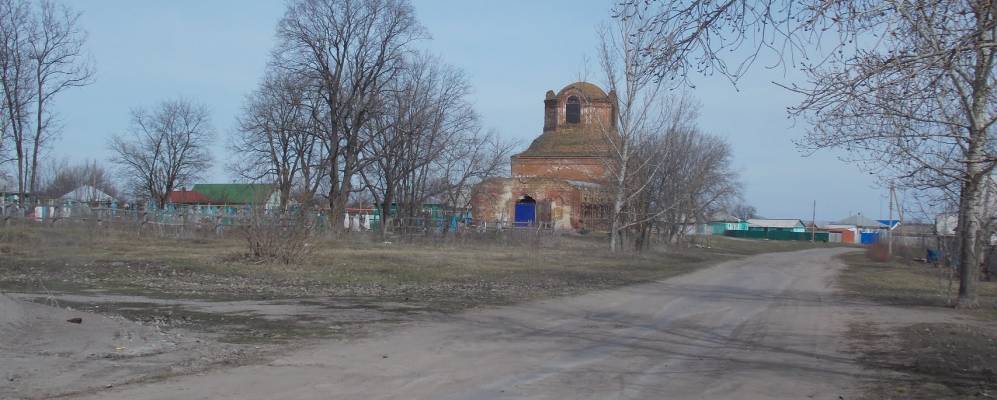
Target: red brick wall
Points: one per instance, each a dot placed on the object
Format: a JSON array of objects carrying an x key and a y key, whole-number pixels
[
  {"x": 588, "y": 169},
  {"x": 495, "y": 200}
]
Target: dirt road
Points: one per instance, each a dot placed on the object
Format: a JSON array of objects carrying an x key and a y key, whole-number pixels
[{"x": 766, "y": 327}]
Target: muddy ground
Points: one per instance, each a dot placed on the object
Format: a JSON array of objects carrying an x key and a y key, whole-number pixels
[{"x": 211, "y": 306}]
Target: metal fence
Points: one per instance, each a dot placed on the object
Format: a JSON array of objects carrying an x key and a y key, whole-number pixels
[
  {"x": 223, "y": 221},
  {"x": 779, "y": 235}
]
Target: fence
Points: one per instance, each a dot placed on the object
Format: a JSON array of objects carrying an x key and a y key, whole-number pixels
[
  {"x": 779, "y": 235},
  {"x": 222, "y": 221}
]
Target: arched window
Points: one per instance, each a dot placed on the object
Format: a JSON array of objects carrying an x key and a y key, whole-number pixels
[{"x": 573, "y": 110}]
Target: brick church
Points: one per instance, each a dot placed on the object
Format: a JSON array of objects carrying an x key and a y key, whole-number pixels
[{"x": 560, "y": 181}]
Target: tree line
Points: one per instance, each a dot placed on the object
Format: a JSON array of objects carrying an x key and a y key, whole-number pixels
[{"x": 350, "y": 108}]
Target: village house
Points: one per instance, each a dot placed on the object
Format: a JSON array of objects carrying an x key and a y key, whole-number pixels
[
  {"x": 776, "y": 225},
  {"x": 560, "y": 181},
  {"x": 226, "y": 194}
]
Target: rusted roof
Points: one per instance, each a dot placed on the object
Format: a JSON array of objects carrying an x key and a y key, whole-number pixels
[
  {"x": 567, "y": 142},
  {"x": 589, "y": 90},
  {"x": 187, "y": 197}
]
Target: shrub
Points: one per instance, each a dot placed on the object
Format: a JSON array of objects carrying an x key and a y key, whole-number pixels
[{"x": 277, "y": 236}]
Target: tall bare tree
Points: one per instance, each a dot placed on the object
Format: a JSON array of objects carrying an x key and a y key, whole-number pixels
[
  {"x": 351, "y": 49},
  {"x": 424, "y": 113},
  {"x": 165, "y": 148},
  {"x": 41, "y": 55},
  {"x": 638, "y": 117},
  {"x": 16, "y": 35},
  {"x": 695, "y": 181},
  {"x": 59, "y": 62},
  {"x": 906, "y": 86},
  {"x": 273, "y": 142}
]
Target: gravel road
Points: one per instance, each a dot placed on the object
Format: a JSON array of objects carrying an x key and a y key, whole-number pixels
[{"x": 765, "y": 327}]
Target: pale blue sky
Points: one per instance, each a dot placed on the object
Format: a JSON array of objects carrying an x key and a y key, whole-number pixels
[{"x": 512, "y": 51}]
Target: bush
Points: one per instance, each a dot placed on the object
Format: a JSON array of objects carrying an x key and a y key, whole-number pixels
[{"x": 277, "y": 236}]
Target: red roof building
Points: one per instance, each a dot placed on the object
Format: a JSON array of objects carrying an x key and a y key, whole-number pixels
[{"x": 184, "y": 196}]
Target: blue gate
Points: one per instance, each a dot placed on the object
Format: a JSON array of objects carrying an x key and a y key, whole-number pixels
[
  {"x": 868, "y": 237},
  {"x": 526, "y": 211}
]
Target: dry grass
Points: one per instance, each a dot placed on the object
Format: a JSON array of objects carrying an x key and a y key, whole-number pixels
[
  {"x": 910, "y": 284},
  {"x": 940, "y": 360},
  {"x": 448, "y": 275}
]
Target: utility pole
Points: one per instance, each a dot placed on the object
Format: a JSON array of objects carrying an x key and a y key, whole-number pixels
[{"x": 813, "y": 224}]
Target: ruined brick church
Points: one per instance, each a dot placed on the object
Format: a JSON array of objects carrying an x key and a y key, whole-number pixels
[{"x": 560, "y": 181}]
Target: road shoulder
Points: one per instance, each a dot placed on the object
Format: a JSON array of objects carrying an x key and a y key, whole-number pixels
[{"x": 924, "y": 348}]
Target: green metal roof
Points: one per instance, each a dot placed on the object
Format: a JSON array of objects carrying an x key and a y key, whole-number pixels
[{"x": 235, "y": 193}]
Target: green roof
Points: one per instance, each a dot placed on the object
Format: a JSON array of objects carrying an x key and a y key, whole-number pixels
[{"x": 235, "y": 193}]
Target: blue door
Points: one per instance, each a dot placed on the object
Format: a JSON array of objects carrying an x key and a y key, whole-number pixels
[{"x": 526, "y": 211}]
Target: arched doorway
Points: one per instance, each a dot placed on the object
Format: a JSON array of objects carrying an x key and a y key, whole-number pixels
[{"x": 526, "y": 211}]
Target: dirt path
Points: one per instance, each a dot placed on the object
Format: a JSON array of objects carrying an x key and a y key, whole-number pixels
[{"x": 763, "y": 327}]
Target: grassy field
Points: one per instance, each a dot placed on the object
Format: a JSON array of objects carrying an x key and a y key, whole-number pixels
[
  {"x": 451, "y": 275},
  {"x": 954, "y": 360}
]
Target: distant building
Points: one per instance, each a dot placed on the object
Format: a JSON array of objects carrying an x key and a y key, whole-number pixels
[
  {"x": 560, "y": 180},
  {"x": 718, "y": 227},
  {"x": 860, "y": 221},
  {"x": 87, "y": 194},
  {"x": 231, "y": 194},
  {"x": 776, "y": 225},
  {"x": 863, "y": 230}
]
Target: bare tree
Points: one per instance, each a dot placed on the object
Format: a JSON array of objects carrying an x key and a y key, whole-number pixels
[
  {"x": 60, "y": 177},
  {"x": 638, "y": 117},
  {"x": 16, "y": 35},
  {"x": 59, "y": 62},
  {"x": 685, "y": 176},
  {"x": 469, "y": 160},
  {"x": 273, "y": 142},
  {"x": 41, "y": 55},
  {"x": 425, "y": 114},
  {"x": 905, "y": 86},
  {"x": 695, "y": 181},
  {"x": 744, "y": 211},
  {"x": 350, "y": 49},
  {"x": 165, "y": 148}
]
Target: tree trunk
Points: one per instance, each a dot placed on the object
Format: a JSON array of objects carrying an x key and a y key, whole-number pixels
[
  {"x": 389, "y": 197},
  {"x": 615, "y": 240},
  {"x": 20, "y": 175},
  {"x": 971, "y": 206},
  {"x": 970, "y": 209},
  {"x": 39, "y": 118}
]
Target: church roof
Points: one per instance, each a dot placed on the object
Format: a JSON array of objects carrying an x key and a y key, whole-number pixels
[
  {"x": 589, "y": 90},
  {"x": 569, "y": 142}
]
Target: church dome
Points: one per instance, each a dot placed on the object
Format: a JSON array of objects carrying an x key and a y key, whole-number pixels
[
  {"x": 578, "y": 122},
  {"x": 588, "y": 89}
]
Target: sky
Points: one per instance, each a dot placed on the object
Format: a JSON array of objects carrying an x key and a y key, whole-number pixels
[{"x": 215, "y": 52}]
